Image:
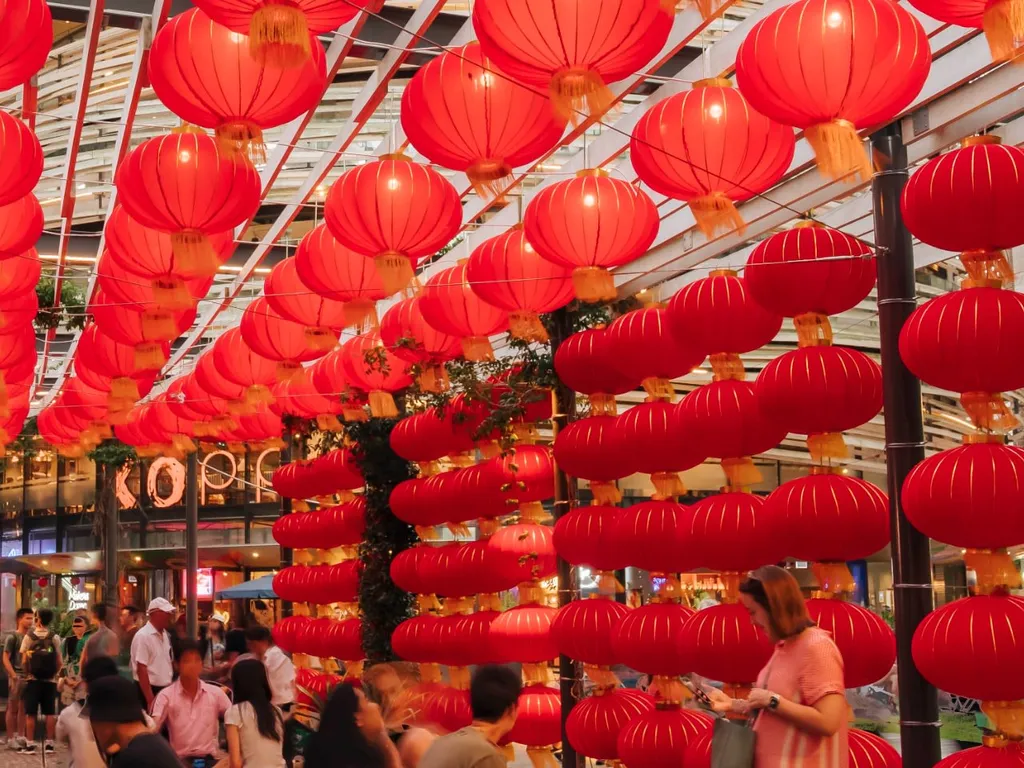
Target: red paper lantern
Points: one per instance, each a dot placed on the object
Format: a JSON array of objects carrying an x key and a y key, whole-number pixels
[
  {"x": 1009, "y": 756},
  {"x": 105, "y": 365},
  {"x": 459, "y": 114},
  {"x": 526, "y": 473},
  {"x": 288, "y": 296},
  {"x": 583, "y": 630},
  {"x": 865, "y": 641},
  {"x": 210, "y": 379},
  {"x": 655, "y": 536},
  {"x": 369, "y": 366},
  {"x": 23, "y": 156},
  {"x": 243, "y": 367},
  {"x": 570, "y": 49},
  {"x": 475, "y": 563},
  {"x": 1002, "y": 28},
  {"x": 279, "y": 32},
  {"x": 870, "y": 751},
  {"x": 810, "y": 269},
  {"x": 184, "y": 185},
  {"x": 286, "y": 631},
  {"x": 404, "y": 331},
  {"x": 969, "y": 496},
  {"x": 336, "y": 272},
  {"x": 722, "y": 643},
  {"x": 586, "y": 536},
  {"x": 734, "y": 533},
  {"x": 539, "y": 717},
  {"x": 725, "y": 419},
  {"x": 876, "y": 57},
  {"x": 450, "y": 306},
  {"x": 271, "y": 336},
  {"x": 414, "y": 639},
  {"x": 475, "y": 631},
  {"x": 26, "y": 34},
  {"x": 18, "y": 311},
  {"x": 649, "y": 433},
  {"x": 707, "y": 146},
  {"x": 394, "y": 211},
  {"x": 448, "y": 708},
  {"x": 205, "y": 74},
  {"x": 524, "y": 552},
  {"x": 523, "y": 634},
  {"x": 21, "y": 225},
  {"x": 20, "y": 276},
  {"x": 645, "y": 639},
  {"x": 588, "y": 449},
  {"x": 643, "y": 344},
  {"x": 591, "y": 223},
  {"x": 507, "y": 273},
  {"x": 698, "y": 751},
  {"x": 955, "y": 656},
  {"x": 344, "y": 640},
  {"x": 594, "y": 724},
  {"x": 829, "y": 517},
  {"x": 659, "y": 737},
  {"x": 146, "y": 331},
  {"x": 584, "y": 363}
]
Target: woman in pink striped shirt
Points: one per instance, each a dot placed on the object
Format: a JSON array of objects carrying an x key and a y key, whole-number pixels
[{"x": 799, "y": 702}]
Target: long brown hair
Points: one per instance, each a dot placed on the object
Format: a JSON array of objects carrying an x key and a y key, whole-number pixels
[{"x": 775, "y": 590}]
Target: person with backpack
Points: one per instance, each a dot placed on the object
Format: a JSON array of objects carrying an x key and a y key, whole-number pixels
[{"x": 40, "y": 659}]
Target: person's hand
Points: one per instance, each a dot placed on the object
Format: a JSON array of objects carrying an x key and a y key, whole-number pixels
[
  {"x": 759, "y": 698},
  {"x": 720, "y": 702}
]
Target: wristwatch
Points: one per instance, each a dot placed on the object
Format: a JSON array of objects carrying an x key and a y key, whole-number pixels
[{"x": 773, "y": 702}]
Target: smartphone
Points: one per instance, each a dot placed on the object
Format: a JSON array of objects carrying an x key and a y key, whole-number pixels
[{"x": 700, "y": 695}]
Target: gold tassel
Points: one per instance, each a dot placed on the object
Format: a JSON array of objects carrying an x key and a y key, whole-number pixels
[
  {"x": 1003, "y": 23},
  {"x": 834, "y": 579},
  {"x": 117, "y": 416},
  {"x": 605, "y": 493},
  {"x": 1007, "y": 718},
  {"x": 354, "y": 413},
  {"x": 207, "y": 447},
  {"x": 489, "y": 178},
  {"x": 572, "y": 90},
  {"x": 194, "y": 253},
  {"x": 706, "y": 8},
  {"x": 279, "y": 36},
  {"x": 328, "y": 422},
  {"x": 827, "y": 445},
  {"x": 425, "y": 532},
  {"x": 477, "y": 349},
  {"x": 741, "y": 472},
  {"x": 395, "y": 270},
  {"x": 172, "y": 294},
  {"x": 813, "y": 330},
  {"x": 102, "y": 429},
  {"x": 603, "y": 405},
  {"x": 669, "y": 689},
  {"x": 716, "y": 212},
  {"x": 242, "y": 138},
  {"x": 987, "y": 265},
  {"x": 382, "y": 405},
  {"x": 608, "y": 585},
  {"x": 541, "y": 757},
  {"x": 988, "y": 411},
  {"x": 257, "y": 395},
  {"x": 489, "y": 601},
  {"x": 994, "y": 569},
  {"x": 533, "y": 512},
  {"x": 594, "y": 285},
  {"x": 839, "y": 151},
  {"x": 507, "y": 752},
  {"x": 603, "y": 678},
  {"x": 658, "y": 389},
  {"x": 183, "y": 444},
  {"x": 536, "y": 673},
  {"x": 459, "y": 678},
  {"x": 526, "y": 434},
  {"x": 458, "y": 530},
  {"x": 667, "y": 485},
  {"x": 362, "y": 314},
  {"x": 299, "y": 505},
  {"x": 527, "y": 326},
  {"x": 287, "y": 370},
  {"x": 150, "y": 357},
  {"x": 159, "y": 325},
  {"x": 727, "y": 366},
  {"x": 434, "y": 378},
  {"x": 320, "y": 339}
]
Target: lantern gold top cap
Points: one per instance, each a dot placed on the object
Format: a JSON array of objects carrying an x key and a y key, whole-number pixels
[
  {"x": 712, "y": 82},
  {"x": 600, "y": 172},
  {"x": 805, "y": 223},
  {"x": 396, "y": 156},
  {"x": 974, "y": 141},
  {"x": 723, "y": 273}
]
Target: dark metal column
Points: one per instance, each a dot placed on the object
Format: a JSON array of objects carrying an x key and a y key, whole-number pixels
[
  {"x": 192, "y": 545},
  {"x": 904, "y": 447},
  {"x": 564, "y": 411},
  {"x": 111, "y": 533},
  {"x": 246, "y": 509},
  {"x": 286, "y": 509}
]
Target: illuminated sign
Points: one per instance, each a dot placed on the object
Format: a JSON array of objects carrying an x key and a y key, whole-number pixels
[
  {"x": 78, "y": 597},
  {"x": 204, "y": 583}
]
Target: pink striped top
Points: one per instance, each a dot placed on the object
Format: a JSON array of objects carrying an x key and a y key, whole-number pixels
[{"x": 803, "y": 669}]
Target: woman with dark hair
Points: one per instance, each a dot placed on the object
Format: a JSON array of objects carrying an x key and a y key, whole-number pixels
[
  {"x": 799, "y": 700},
  {"x": 254, "y": 726},
  {"x": 351, "y": 734}
]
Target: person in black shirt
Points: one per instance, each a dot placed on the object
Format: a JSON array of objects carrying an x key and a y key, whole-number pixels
[{"x": 117, "y": 722}]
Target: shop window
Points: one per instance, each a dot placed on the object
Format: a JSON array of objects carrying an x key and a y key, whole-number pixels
[{"x": 42, "y": 541}]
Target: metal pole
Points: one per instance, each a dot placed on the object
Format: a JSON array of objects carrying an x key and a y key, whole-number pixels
[
  {"x": 192, "y": 546},
  {"x": 904, "y": 447},
  {"x": 564, "y": 411},
  {"x": 286, "y": 509},
  {"x": 110, "y": 535}
]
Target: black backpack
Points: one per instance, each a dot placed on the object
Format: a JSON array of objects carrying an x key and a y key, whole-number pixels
[{"x": 42, "y": 657}]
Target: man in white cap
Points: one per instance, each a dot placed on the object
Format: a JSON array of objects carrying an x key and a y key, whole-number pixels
[{"x": 151, "y": 658}]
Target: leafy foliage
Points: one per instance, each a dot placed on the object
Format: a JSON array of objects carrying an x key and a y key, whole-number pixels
[
  {"x": 70, "y": 314},
  {"x": 25, "y": 444},
  {"x": 113, "y": 454}
]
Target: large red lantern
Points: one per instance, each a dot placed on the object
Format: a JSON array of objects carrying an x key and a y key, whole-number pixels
[
  {"x": 459, "y": 114},
  {"x": 524, "y": 552},
  {"x": 591, "y": 223},
  {"x": 204, "y": 73},
  {"x": 955, "y": 656},
  {"x": 271, "y": 336},
  {"x": 506, "y": 272},
  {"x": 450, "y": 306},
  {"x": 146, "y": 331},
  {"x": 734, "y": 534},
  {"x": 594, "y": 724},
  {"x": 21, "y": 225},
  {"x": 994, "y": 755},
  {"x": 971, "y": 496},
  {"x": 722, "y": 643},
  {"x": 1000, "y": 19},
  {"x": 868, "y": 750},
  {"x": 523, "y": 634},
  {"x": 586, "y": 536},
  {"x": 584, "y": 363},
  {"x": 244, "y": 368},
  {"x": 583, "y": 630},
  {"x": 865, "y": 641},
  {"x": 645, "y": 639},
  {"x": 371, "y": 367},
  {"x": 395, "y": 212},
  {"x": 288, "y": 296},
  {"x": 649, "y": 434},
  {"x": 449, "y": 709},
  {"x": 875, "y": 58},
  {"x": 404, "y": 332},
  {"x": 18, "y": 311},
  {"x": 23, "y": 156},
  {"x": 105, "y": 365},
  {"x": 588, "y": 449},
  {"x": 659, "y": 737},
  {"x": 643, "y": 344},
  {"x": 539, "y": 718},
  {"x": 184, "y": 185},
  {"x": 570, "y": 49},
  {"x": 829, "y": 517},
  {"x": 707, "y": 146},
  {"x": 20, "y": 276},
  {"x": 26, "y": 34}
]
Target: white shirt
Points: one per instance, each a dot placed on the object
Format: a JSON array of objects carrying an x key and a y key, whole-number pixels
[
  {"x": 76, "y": 730},
  {"x": 257, "y": 750},
  {"x": 153, "y": 648},
  {"x": 281, "y": 674}
]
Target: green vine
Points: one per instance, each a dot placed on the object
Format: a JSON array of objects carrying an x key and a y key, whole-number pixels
[
  {"x": 113, "y": 454},
  {"x": 25, "y": 443},
  {"x": 70, "y": 313}
]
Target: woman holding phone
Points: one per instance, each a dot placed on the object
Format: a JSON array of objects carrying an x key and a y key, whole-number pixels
[{"x": 799, "y": 702}]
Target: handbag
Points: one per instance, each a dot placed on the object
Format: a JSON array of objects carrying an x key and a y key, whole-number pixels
[{"x": 732, "y": 743}]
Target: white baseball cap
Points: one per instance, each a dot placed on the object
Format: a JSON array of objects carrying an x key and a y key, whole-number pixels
[{"x": 160, "y": 604}]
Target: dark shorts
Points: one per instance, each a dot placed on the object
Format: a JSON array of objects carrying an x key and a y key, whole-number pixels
[
  {"x": 142, "y": 697},
  {"x": 40, "y": 696}
]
